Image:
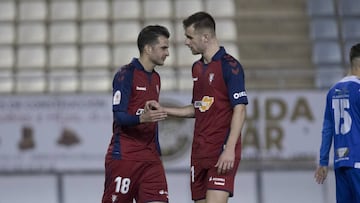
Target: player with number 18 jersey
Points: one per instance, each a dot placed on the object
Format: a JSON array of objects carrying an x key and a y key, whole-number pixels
[
  {"x": 133, "y": 168},
  {"x": 134, "y": 153}
]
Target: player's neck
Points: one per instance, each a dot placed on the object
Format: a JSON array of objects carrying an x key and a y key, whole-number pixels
[
  {"x": 355, "y": 67},
  {"x": 147, "y": 64},
  {"x": 211, "y": 51},
  {"x": 356, "y": 72}
]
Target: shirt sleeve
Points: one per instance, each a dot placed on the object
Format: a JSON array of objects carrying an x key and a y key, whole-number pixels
[
  {"x": 327, "y": 134},
  {"x": 122, "y": 84},
  {"x": 234, "y": 78}
]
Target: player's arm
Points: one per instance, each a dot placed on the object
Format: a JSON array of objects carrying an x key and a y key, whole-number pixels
[
  {"x": 148, "y": 116},
  {"x": 184, "y": 112},
  {"x": 121, "y": 96},
  {"x": 235, "y": 81},
  {"x": 327, "y": 133},
  {"x": 227, "y": 157},
  {"x": 326, "y": 141}
]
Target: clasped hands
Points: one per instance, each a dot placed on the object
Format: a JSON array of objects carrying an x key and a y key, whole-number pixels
[{"x": 153, "y": 112}]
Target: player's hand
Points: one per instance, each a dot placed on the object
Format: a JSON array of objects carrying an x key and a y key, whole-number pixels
[
  {"x": 152, "y": 105},
  {"x": 226, "y": 161},
  {"x": 321, "y": 174},
  {"x": 152, "y": 112}
]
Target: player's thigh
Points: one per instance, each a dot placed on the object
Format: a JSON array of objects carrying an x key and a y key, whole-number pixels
[
  {"x": 222, "y": 182},
  {"x": 121, "y": 181},
  {"x": 198, "y": 180},
  {"x": 153, "y": 187}
]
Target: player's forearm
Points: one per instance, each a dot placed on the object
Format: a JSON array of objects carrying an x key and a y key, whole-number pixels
[
  {"x": 126, "y": 119},
  {"x": 237, "y": 123},
  {"x": 326, "y": 142},
  {"x": 185, "y": 111}
]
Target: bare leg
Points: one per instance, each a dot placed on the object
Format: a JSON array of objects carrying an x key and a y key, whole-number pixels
[{"x": 217, "y": 196}]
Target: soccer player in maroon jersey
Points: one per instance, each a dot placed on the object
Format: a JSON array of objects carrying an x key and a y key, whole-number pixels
[
  {"x": 133, "y": 169},
  {"x": 218, "y": 105}
]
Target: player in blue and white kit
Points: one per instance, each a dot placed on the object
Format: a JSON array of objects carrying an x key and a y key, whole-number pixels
[{"x": 342, "y": 125}]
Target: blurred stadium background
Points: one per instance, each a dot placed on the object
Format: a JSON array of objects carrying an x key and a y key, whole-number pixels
[{"x": 57, "y": 59}]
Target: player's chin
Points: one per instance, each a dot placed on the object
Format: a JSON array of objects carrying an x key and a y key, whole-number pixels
[
  {"x": 160, "y": 63},
  {"x": 194, "y": 52}
]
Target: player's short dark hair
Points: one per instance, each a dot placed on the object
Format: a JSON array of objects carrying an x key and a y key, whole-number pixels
[
  {"x": 354, "y": 52},
  {"x": 150, "y": 34},
  {"x": 200, "y": 20}
]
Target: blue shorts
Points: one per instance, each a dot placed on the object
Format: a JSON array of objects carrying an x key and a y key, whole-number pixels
[{"x": 347, "y": 185}]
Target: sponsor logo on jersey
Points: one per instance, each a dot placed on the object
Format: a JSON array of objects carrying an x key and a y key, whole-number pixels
[
  {"x": 204, "y": 104},
  {"x": 141, "y": 88},
  {"x": 117, "y": 97},
  {"x": 139, "y": 112},
  {"x": 341, "y": 92},
  {"x": 217, "y": 181},
  {"x": 237, "y": 95},
  {"x": 342, "y": 152},
  {"x": 197, "y": 104}
]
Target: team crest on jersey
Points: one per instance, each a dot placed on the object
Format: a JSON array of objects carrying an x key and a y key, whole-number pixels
[
  {"x": 211, "y": 77},
  {"x": 117, "y": 97}
]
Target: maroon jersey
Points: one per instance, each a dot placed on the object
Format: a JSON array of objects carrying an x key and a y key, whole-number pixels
[
  {"x": 218, "y": 87},
  {"x": 132, "y": 87}
]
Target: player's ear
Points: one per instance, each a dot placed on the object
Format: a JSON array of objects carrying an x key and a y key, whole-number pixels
[
  {"x": 147, "y": 49},
  {"x": 206, "y": 37}
]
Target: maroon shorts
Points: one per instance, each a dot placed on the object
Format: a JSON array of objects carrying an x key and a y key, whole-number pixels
[
  {"x": 204, "y": 177},
  {"x": 126, "y": 180}
]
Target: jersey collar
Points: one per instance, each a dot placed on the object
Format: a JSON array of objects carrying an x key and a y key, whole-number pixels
[{"x": 137, "y": 64}]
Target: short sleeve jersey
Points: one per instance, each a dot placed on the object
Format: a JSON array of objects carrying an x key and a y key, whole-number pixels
[
  {"x": 342, "y": 124},
  {"x": 218, "y": 87},
  {"x": 132, "y": 87}
]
